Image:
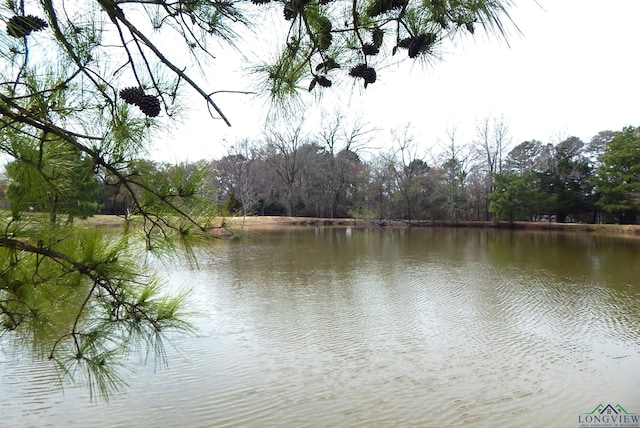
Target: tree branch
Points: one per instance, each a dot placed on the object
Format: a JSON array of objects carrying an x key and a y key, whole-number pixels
[{"x": 116, "y": 14}]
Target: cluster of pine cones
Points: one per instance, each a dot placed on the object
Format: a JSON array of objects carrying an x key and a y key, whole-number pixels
[
  {"x": 368, "y": 74},
  {"x": 320, "y": 80},
  {"x": 21, "y": 26},
  {"x": 148, "y": 104},
  {"x": 418, "y": 44},
  {"x": 378, "y": 7}
]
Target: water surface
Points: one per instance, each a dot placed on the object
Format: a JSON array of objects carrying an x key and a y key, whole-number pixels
[{"x": 325, "y": 327}]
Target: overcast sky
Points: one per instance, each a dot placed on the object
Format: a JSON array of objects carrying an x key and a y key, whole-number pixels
[{"x": 572, "y": 72}]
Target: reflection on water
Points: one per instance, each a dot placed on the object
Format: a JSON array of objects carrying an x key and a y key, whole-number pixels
[{"x": 349, "y": 327}]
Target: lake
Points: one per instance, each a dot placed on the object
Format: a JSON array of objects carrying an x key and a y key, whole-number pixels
[{"x": 328, "y": 327}]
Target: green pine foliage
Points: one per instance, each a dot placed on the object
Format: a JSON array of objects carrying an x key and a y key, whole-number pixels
[
  {"x": 618, "y": 179},
  {"x": 54, "y": 177},
  {"x": 80, "y": 298},
  {"x": 82, "y": 302},
  {"x": 513, "y": 197},
  {"x": 368, "y": 32}
]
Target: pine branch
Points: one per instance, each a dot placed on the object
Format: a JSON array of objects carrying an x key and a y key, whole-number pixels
[{"x": 116, "y": 14}]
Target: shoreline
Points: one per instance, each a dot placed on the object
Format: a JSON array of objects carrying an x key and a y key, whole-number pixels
[
  {"x": 226, "y": 226},
  {"x": 274, "y": 222}
]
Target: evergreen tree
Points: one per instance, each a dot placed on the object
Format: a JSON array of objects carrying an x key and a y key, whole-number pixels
[
  {"x": 618, "y": 179},
  {"x": 513, "y": 198}
]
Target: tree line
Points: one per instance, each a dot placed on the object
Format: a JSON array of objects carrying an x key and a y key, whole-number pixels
[
  {"x": 324, "y": 174},
  {"x": 488, "y": 179}
]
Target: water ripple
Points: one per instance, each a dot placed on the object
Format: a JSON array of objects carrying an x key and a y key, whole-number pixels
[{"x": 403, "y": 329}]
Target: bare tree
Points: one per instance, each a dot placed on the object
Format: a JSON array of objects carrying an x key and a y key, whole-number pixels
[
  {"x": 455, "y": 164},
  {"x": 409, "y": 166},
  {"x": 239, "y": 169},
  {"x": 381, "y": 188},
  {"x": 337, "y": 136},
  {"x": 492, "y": 141},
  {"x": 281, "y": 152}
]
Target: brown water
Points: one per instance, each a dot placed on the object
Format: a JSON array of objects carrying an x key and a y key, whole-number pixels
[{"x": 348, "y": 327}]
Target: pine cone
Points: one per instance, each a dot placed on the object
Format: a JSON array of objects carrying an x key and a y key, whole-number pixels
[
  {"x": 329, "y": 64},
  {"x": 367, "y": 73},
  {"x": 377, "y": 35},
  {"x": 405, "y": 43},
  {"x": 323, "y": 35},
  {"x": 20, "y": 26},
  {"x": 370, "y": 49},
  {"x": 469, "y": 26},
  {"x": 415, "y": 48},
  {"x": 289, "y": 12},
  {"x": 132, "y": 95},
  {"x": 379, "y": 7},
  {"x": 323, "y": 81},
  {"x": 323, "y": 40},
  {"x": 358, "y": 70},
  {"x": 369, "y": 76},
  {"x": 418, "y": 44},
  {"x": 150, "y": 105}
]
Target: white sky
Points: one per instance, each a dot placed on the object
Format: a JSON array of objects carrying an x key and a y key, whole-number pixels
[{"x": 573, "y": 71}]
